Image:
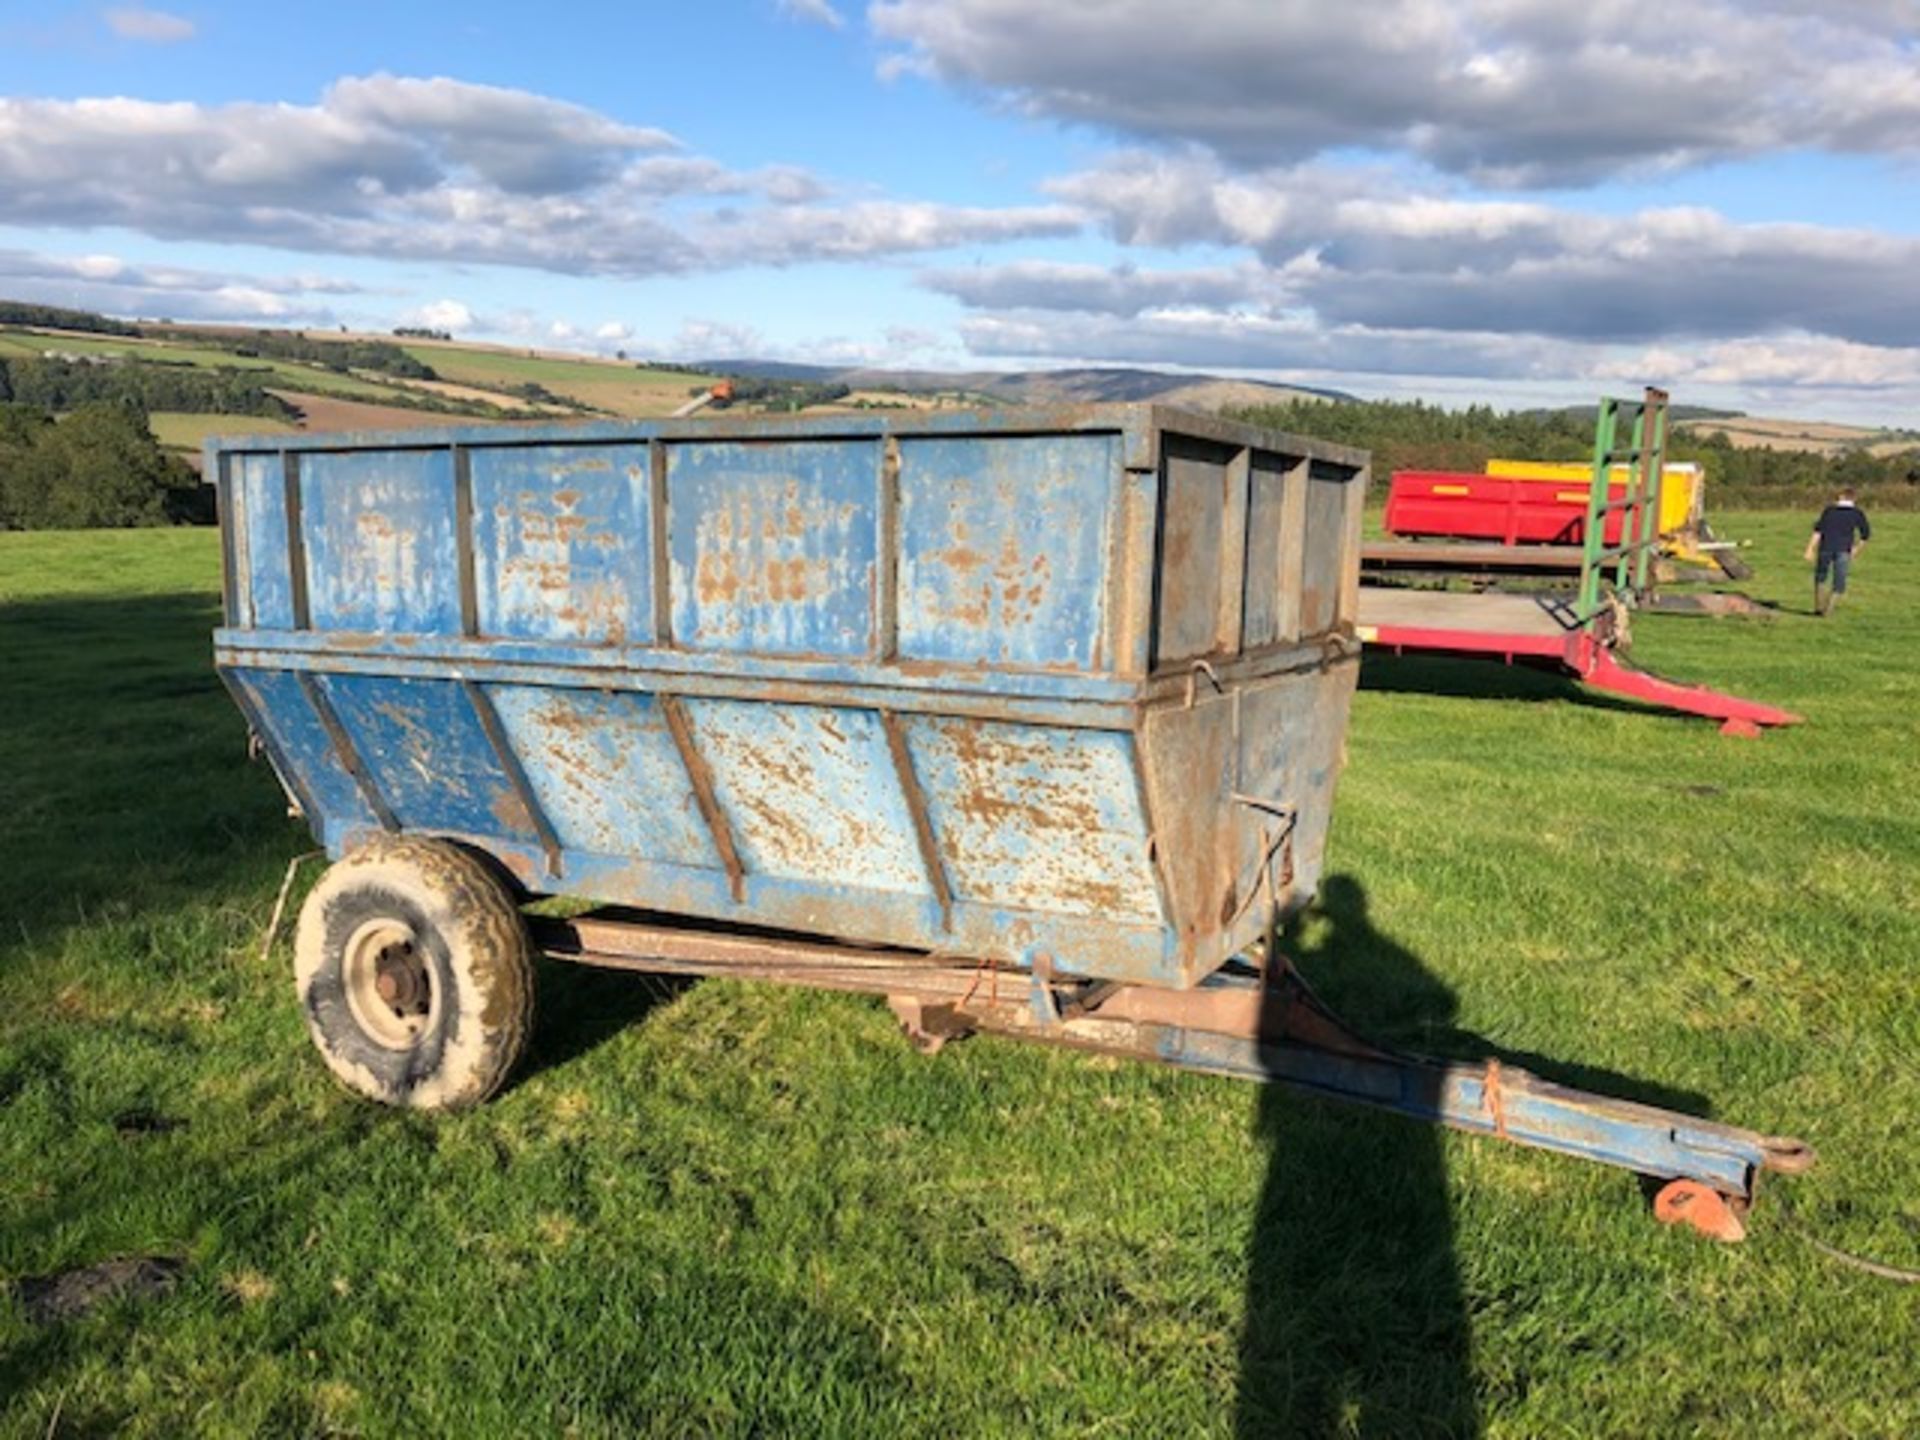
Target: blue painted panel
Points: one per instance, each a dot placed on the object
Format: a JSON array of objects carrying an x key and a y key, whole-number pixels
[
  {"x": 1036, "y": 817},
  {"x": 810, "y": 793},
  {"x": 1003, "y": 548},
  {"x": 379, "y": 532},
  {"x": 302, "y": 740},
  {"x": 260, "y": 494},
  {"x": 562, "y": 545},
  {"x": 605, "y": 770},
  {"x": 773, "y": 545},
  {"x": 429, "y": 758}
]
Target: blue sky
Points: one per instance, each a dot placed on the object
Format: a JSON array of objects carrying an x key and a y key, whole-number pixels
[{"x": 1509, "y": 200}]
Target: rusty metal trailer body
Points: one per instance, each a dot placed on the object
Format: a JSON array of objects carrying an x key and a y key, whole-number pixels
[
  {"x": 1028, "y": 721},
  {"x": 1004, "y": 688}
]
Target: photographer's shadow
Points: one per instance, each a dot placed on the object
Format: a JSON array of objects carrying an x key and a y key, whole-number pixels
[{"x": 1356, "y": 1323}]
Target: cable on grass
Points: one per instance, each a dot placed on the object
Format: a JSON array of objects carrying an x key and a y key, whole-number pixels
[
  {"x": 1844, "y": 1257},
  {"x": 280, "y": 901}
]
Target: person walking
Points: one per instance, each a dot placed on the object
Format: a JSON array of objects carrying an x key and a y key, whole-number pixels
[{"x": 1838, "y": 536}]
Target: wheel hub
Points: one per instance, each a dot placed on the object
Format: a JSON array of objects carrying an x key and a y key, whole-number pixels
[{"x": 389, "y": 988}]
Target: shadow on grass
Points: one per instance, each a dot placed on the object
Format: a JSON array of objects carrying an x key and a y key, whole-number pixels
[
  {"x": 1472, "y": 678},
  {"x": 124, "y": 776},
  {"x": 1356, "y": 1320},
  {"x": 580, "y": 1008}
]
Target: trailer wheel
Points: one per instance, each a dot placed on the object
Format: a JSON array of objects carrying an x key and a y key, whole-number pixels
[{"x": 415, "y": 973}]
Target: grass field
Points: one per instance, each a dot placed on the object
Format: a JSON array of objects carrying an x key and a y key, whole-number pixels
[
  {"x": 181, "y": 430},
  {"x": 273, "y": 372},
  {"x": 620, "y": 388},
  {"x": 617, "y": 388},
  {"x": 723, "y": 1210}
]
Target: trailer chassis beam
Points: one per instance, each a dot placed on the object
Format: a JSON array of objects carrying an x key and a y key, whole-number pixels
[{"x": 1241, "y": 1022}]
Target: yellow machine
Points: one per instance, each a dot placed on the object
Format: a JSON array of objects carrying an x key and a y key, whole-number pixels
[{"x": 1683, "y": 489}]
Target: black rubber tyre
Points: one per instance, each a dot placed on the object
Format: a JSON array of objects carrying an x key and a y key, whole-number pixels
[{"x": 415, "y": 973}]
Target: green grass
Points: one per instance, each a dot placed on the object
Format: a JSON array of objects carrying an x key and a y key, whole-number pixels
[
  {"x": 622, "y": 389},
  {"x": 180, "y": 430},
  {"x": 733, "y": 1210}
]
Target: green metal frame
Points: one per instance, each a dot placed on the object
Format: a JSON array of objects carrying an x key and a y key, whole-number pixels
[{"x": 1624, "y": 568}]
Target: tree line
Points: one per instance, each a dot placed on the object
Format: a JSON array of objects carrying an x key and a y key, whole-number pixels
[
  {"x": 1412, "y": 435},
  {"x": 382, "y": 357},
  {"x": 58, "y": 384},
  {"x": 58, "y": 317},
  {"x": 96, "y": 467}
]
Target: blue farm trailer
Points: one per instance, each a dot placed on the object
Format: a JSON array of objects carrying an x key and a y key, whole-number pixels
[{"x": 1026, "y": 721}]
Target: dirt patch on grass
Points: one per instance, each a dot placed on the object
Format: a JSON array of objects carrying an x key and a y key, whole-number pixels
[{"x": 49, "y": 1299}]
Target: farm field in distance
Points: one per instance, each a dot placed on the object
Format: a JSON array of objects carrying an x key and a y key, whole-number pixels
[
  {"x": 620, "y": 387},
  {"x": 721, "y": 1209},
  {"x": 1818, "y": 437},
  {"x": 469, "y": 375}
]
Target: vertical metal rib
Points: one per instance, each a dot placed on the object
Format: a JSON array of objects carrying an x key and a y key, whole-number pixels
[
  {"x": 1238, "y": 479},
  {"x": 516, "y": 777},
  {"x": 1293, "y": 548},
  {"x": 463, "y": 538},
  {"x": 662, "y": 551},
  {"x": 345, "y": 752},
  {"x": 229, "y": 564},
  {"x": 917, "y": 808},
  {"x": 296, "y": 540},
  {"x": 700, "y": 776},
  {"x": 886, "y": 571}
]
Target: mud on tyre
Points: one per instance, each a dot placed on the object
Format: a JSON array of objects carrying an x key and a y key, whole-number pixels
[{"x": 415, "y": 974}]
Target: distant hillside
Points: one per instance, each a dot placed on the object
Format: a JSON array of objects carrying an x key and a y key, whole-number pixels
[
  {"x": 1038, "y": 387},
  {"x": 1813, "y": 437}
]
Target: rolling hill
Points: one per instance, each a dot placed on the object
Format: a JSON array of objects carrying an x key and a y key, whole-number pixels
[{"x": 1081, "y": 386}]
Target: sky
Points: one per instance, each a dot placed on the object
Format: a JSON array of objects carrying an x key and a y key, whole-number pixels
[{"x": 1501, "y": 201}]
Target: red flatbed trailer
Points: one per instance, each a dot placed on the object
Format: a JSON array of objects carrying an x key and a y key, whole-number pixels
[
  {"x": 1613, "y": 525},
  {"x": 1540, "y": 630}
]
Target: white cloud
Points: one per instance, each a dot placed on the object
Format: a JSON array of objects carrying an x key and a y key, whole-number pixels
[
  {"x": 1360, "y": 248},
  {"x": 155, "y": 27},
  {"x": 118, "y": 287},
  {"x": 440, "y": 169},
  {"x": 1793, "y": 361},
  {"x": 1512, "y": 92},
  {"x": 1115, "y": 290},
  {"x": 450, "y": 315},
  {"x": 817, "y": 12},
  {"x": 1204, "y": 338},
  {"x": 1787, "y": 372}
]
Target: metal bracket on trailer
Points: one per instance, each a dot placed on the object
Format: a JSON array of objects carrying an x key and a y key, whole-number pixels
[{"x": 1239, "y": 1023}]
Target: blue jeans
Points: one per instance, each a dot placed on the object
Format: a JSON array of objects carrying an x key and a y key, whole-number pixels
[{"x": 1837, "y": 561}]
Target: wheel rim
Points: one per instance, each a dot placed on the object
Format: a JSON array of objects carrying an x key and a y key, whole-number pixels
[{"x": 389, "y": 987}]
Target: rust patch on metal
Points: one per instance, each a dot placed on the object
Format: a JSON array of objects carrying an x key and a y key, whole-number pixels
[
  {"x": 1496, "y": 1100},
  {"x": 1016, "y": 783}
]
